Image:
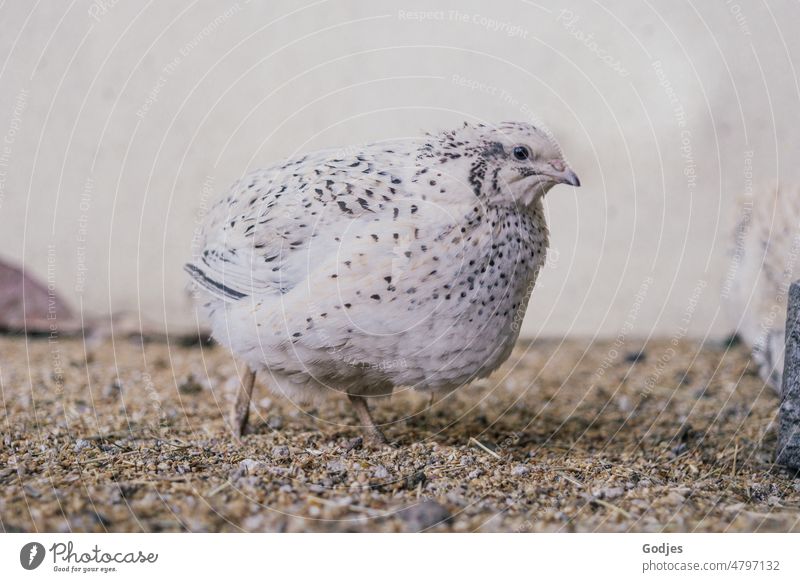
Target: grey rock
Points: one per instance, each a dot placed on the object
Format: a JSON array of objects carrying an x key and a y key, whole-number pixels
[
  {"x": 381, "y": 472},
  {"x": 81, "y": 444},
  {"x": 474, "y": 474},
  {"x": 190, "y": 385},
  {"x": 424, "y": 516},
  {"x": 336, "y": 466},
  {"x": 249, "y": 465},
  {"x": 113, "y": 389},
  {"x": 467, "y": 460},
  {"x": 788, "y": 453},
  {"x": 520, "y": 471},
  {"x": 608, "y": 492}
]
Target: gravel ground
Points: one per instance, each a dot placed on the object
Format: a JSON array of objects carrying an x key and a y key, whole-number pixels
[{"x": 567, "y": 436}]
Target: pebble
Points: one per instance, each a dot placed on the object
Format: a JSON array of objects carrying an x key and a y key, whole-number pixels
[
  {"x": 474, "y": 474},
  {"x": 624, "y": 403},
  {"x": 634, "y": 357},
  {"x": 608, "y": 492},
  {"x": 113, "y": 389},
  {"x": 249, "y": 465},
  {"x": 190, "y": 385},
  {"x": 81, "y": 444},
  {"x": 354, "y": 444},
  {"x": 280, "y": 452},
  {"x": 424, "y": 516},
  {"x": 336, "y": 466},
  {"x": 674, "y": 498},
  {"x": 520, "y": 471},
  {"x": 253, "y": 523},
  {"x": 381, "y": 472}
]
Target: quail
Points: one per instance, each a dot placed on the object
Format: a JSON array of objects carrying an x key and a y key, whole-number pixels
[
  {"x": 402, "y": 263},
  {"x": 764, "y": 260}
]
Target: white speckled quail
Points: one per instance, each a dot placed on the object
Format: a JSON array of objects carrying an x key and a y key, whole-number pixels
[{"x": 403, "y": 263}]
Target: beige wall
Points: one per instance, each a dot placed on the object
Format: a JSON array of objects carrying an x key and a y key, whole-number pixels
[{"x": 118, "y": 120}]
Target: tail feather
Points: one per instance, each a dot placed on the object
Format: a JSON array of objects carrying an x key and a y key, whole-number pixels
[{"x": 216, "y": 288}]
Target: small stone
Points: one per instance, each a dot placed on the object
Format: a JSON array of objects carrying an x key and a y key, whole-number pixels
[
  {"x": 634, "y": 357},
  {"x": 275, "y": 422},
  {"x": 81, "y": 444},
  {"x": 190, "y": 385},
  {"x": 381, "y": 472},
  {"x": 248, "y": 465},
  {"x": 424, "y": 516},
  {"x": 679, "y": 449},
  {"x": 474, "y": 474},
  {"x": 788, "y": 452},
  {"x": 113, "y": 389},
  {"x": 455, "y": 498},
  {"x": 414, "y": 479},
  {"x": 520, "y": 471},
  {"x": 354, "y": 444},
  {"x": 608, "y": 492},
  {"x": 280, "y": 452},
  {"x": 674, "y": 498},
  {"x": 253, "y": 523},
  {"x": 336, "y": 466},
  {"x": 624, "y": 403}
]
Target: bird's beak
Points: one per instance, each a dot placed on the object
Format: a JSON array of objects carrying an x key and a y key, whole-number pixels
[{"x": 562, "y": 174}]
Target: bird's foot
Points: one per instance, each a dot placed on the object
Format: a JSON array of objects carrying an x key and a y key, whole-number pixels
[
  {"x": 241, "y": 410},
  {"x": 375, "y": 439},
  {"x": 372, "y": 434}
]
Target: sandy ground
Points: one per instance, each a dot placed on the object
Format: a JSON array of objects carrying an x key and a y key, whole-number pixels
[{"x": 567, "y": 436}]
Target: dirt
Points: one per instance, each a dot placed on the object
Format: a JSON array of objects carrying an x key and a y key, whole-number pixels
[{"x": 568, "y": 436}]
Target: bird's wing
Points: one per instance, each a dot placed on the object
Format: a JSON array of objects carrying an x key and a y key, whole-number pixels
[{"x": 258, "y": 239}]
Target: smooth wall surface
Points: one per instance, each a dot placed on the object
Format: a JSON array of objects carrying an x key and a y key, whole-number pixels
[{"x": 119, "y": 121}]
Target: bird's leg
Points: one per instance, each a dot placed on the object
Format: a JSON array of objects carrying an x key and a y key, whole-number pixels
[
  {"x": 372, "y": 432},
  {"x": 241, "y": 410}
]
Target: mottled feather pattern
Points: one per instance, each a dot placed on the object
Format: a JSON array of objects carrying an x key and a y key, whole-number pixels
[{"x": 400, "y": 264}]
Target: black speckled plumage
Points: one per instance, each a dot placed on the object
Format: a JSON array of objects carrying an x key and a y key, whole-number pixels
[{"x": 404, "y": 263}]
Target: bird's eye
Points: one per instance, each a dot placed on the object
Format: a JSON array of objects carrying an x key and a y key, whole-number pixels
[{"x": 521, "y": 153}]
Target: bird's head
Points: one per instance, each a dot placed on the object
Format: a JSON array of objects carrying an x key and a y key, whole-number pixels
[{"x": 513, "y": 162}]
